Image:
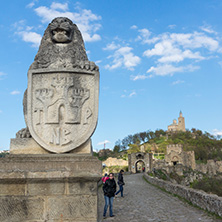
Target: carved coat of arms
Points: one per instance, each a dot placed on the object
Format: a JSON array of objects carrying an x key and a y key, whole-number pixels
[{"x": 63, "y": 90}]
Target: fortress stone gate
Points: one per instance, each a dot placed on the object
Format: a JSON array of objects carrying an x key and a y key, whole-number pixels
[
  {"x": 137, "y": 162},
  {"x": 50, "y": 174}
]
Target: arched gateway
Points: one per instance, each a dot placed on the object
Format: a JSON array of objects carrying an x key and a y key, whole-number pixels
[{"x": 139, "y": 162}]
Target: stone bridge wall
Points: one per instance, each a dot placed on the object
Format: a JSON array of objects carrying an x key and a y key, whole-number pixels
[{"x": 209, "y": 202}]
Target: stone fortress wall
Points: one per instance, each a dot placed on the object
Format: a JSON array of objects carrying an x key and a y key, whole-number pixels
[
  {"x": 176, "y": 155},
  {"x": 211, "y": 167}
]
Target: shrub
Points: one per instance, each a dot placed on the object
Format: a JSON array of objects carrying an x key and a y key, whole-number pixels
[{"x": 209, "y": 185}]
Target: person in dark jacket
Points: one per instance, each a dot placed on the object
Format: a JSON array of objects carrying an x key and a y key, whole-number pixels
[
  {"x": 120, "y": 182},
  {"x": 109, "y": 189}
]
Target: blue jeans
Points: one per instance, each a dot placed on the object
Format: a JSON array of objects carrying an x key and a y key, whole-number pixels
[
  {"x": 108, "y": 201},
  {"x": 120, "y": 190}
]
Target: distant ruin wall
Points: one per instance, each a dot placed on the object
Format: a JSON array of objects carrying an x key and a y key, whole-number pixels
[
  {"x": 115, "y": 162},
  {"x": 211, "y": 167},
  {"x": 209, "y": 202}
]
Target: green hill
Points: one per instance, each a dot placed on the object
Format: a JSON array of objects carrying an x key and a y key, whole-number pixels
[{"x": 205, "y": 145}]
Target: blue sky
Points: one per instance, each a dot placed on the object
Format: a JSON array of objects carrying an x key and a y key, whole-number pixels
[{"x": 155, "y": 57}]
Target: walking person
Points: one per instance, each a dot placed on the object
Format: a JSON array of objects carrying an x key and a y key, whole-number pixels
[
  {"x": 109, "y": 189},
  {"x": 120, "y": 182}
]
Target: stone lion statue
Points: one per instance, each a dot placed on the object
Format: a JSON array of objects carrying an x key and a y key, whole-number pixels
[{"x": 61, "y": 47}]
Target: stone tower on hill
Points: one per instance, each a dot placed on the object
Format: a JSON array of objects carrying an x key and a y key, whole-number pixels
[{"x": 180, "y": 126}]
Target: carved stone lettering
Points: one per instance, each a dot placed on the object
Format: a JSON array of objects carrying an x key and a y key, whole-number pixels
[
  {"x": 60, "y": 136},
  {"x": 88, "y": 114}
]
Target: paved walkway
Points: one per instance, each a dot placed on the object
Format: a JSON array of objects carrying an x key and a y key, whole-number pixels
[{"x": 143, "y": 202}]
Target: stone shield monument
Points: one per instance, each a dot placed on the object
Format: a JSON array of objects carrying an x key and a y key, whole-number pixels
[{"x": 50, "y": 174}]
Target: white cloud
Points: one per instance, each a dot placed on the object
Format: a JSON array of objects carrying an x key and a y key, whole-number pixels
[
  {"x": 145, "y": 33},
  {"x": 144, "y": 36},
  {"x": 128, "y": 94},
  {"x": 60, "y": 6},
  {"x": 168, "y": 69},
  {"x": 111, "y": 46},
  {"x": 103, "y": 142},
  {"x": 85, "y": 19},
  {"x": 177, "y": 82},
  {"x": 132, "y": 94},
  {"x": 2, "y": 74},
  {"x": 123, "y": 57},
  {"x": 30, "y": 5},
  {"x": 217, "y": 132},
  {"x": 15, "y": 92},
  {"x": 139, "y": 77},
  {"x": 31, "y": 37},
  {"x": 170, "y": 50},
  {"x": 208, "y": 29},
  {"x": 98, "y": 62},
  {"x": 171, "y": 26},
  {"x": 194, "y": 41},
  {"x": 133, "y": 27}
]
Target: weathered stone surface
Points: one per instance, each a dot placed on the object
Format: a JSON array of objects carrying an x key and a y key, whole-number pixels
[
  {"x": 59, "y": 187},
  {"x": 81, "y": 187},
  {"x": 44, "y": 188},
  {"x": 17, "y": 209},
  {"x": 51, "y": 166},
  {"x": 14, "y": 189},
  {"x": 30, "y": 146},
  {"x": 26, "y": 146}
]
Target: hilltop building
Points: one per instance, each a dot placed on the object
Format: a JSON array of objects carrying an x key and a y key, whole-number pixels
[{"x": 180, "y": 126}]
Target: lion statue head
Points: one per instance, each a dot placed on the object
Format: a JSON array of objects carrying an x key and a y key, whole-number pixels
[{"x": 62, "y": 46}]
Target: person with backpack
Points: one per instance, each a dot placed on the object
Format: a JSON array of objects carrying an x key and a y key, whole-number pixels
[
  {"x": 120, "y": 182},
  {"x": 109, "y": 189},
  {"x": 105, "y": 178}
]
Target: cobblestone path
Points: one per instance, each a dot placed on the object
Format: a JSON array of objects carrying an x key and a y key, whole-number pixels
[{"x": 143, "y": 202}]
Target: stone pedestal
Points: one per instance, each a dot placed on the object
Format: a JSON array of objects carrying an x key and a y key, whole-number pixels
[{"x": 49, "y": 187}]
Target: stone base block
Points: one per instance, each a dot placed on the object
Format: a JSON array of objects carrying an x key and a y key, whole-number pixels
[
  {"x": 30, "y": 146},
  {"x": 49, "y": 188}
]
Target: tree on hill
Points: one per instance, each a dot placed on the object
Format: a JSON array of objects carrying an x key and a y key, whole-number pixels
[{"x": 205, "y": 145}]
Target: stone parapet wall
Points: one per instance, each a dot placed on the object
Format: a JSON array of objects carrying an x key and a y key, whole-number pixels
[{"x": 209, "y": 202}]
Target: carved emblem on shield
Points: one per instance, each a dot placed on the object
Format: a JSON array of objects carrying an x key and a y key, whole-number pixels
[{"x": 62, "y": 107}]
